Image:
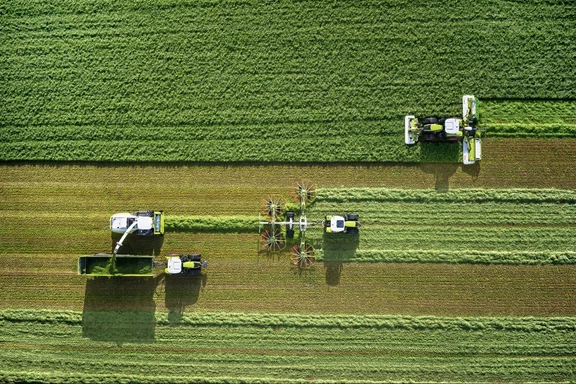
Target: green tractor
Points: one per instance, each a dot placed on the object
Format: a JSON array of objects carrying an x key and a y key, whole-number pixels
[
  {"x": 342, "y": 224},
  {"x": 449, "y": 129},
  {"x": 184, "y": 264}
]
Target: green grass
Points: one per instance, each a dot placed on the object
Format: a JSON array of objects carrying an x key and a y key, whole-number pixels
[
  {"x": 529, "y": 118},
  {"x": 236, "y": 224},
  {"x": 166, "y": 80},
  {"x": 480, "y": 226},
  {"x": 234, "y": 347}
]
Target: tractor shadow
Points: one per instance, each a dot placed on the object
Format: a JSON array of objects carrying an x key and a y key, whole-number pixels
[
  {"x": 119, "y": 309},
  {"x": 338, "y": 249},
  {"x": 442, "y": 173},
  {"x": 181, "y": 291},
  {"x": 138, "y": 245}
]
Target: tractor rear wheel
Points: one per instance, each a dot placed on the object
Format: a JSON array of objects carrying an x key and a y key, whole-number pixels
[
  {"x": 353, "y": 217},
  {"x": 145, "y": 213},
  {"x": 429, "y": 120},
  {"x": 353, "y": 231}
]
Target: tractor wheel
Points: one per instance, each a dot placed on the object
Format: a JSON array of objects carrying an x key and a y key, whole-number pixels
[
  {"x": 290, "y": 215},
  {"x": 429, "y": 120},
  {"x": 195, "y": 257},
  {"x": 353, "y": 231},
  {"x": 290, "y": 233},
  {"x": 441, "y": 120},
  {"x": 145, "y": 213},
  {"x": 352, "y": 217}
]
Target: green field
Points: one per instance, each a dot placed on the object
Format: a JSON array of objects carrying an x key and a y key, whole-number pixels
[
  {"x": 206, "y": 108},
  {"x": 171, "y": 80},
  {"x": 57, "y": 346}
]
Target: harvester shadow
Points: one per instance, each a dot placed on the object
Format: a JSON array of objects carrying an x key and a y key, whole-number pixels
[
  {"x": 139, "y": 245},
  {"x": 338, "y": 249},
  {"x": 181, "y": 291},
  {"x": 119, "y": 309}
]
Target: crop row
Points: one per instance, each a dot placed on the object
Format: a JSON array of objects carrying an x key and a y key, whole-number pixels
[
  {"x": 435, "y": 214},
  {"x": 245, "y": 81},
  {"x": 284, "y": 348},
  {"x": 446, "y": 256},
  {"x": 365, "y": 148},
  {"x": 267, "y": 320},
  {"x": 468, "y": 195},
  {"x": 529, "y": 118},
  {"x": 237, "y": 224}
]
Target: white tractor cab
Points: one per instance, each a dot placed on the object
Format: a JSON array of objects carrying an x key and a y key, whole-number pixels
[
  {"x": 142, "y": 223},
  {"x": 445, "y": 129},
  {"x": 184, "y": 264},
  {"x": 342, "y": 224}
]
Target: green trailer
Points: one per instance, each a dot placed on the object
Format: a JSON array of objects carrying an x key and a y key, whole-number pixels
[{"x": 100, "y": 264}]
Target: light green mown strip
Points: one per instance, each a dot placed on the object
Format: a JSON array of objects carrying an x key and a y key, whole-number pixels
[
  {"x": 236, "y": 224},
  {"x": 229, "y": 319},
  {"x": 452, "y": 196},
  {"x": 60, "y": 346},
  {"x": 445, "y": 256},
  {"x": 529, "y": 118}
]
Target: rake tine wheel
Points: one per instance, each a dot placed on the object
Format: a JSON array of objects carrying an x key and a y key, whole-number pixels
[
  {"x": 273, "y": 240},
  {"x": 272, "y": 207},
  {"x": 302, "y": 256},
  {"x": 305, "y": 192}
]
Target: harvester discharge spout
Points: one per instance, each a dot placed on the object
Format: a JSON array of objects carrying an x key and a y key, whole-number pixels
[{"x": 121, "y": 241}]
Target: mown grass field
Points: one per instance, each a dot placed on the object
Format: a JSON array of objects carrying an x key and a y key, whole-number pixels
[
  {"x": 58, "y": 346},
  {"x": 138, "y": 329},
  {"x": 172, "y": 80},
  {"x": 53, "y": 214}
]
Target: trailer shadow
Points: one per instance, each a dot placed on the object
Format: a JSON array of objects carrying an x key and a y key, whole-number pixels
[
  {"x": 119, "y": 309},
  {"x": 181, "y": 291},
  {"x": 338, "y": 249},
  {"x": 139, "y": 245}
]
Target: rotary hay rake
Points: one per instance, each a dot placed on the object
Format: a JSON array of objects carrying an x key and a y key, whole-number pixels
[{"x": 272, "y": 239}]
